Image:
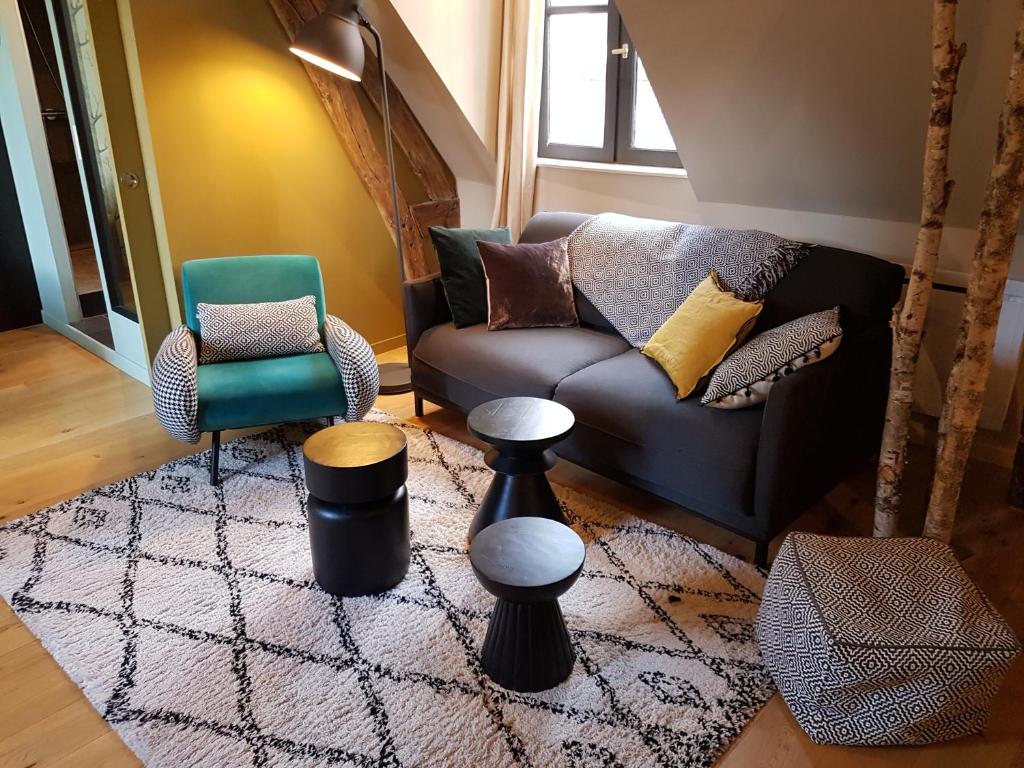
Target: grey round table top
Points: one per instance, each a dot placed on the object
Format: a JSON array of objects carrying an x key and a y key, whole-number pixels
[
  {"x": 527, "y": 552},
  {"x": 521, "y": 421}
]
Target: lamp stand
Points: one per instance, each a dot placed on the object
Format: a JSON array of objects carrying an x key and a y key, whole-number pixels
[{"x": 395, "y": 378}]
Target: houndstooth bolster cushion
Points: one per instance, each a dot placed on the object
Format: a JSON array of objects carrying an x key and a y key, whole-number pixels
[
  {"x": 357, "y": 365},
  {"x": 175, "y": 397},
  {"x": 881, "y": 641},
  {"x": 748, "y": 374},
  {"x": 253, "y": 331}
]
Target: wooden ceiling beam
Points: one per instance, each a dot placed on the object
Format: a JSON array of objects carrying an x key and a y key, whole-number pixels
[
  {"x": 430, "y": 168},
  {"x": 442, "y": 213}
]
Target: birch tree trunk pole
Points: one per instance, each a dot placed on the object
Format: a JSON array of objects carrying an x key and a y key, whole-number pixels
[
  {"x": 908, "y": 324},
  {"x": 997, "y": 231}
]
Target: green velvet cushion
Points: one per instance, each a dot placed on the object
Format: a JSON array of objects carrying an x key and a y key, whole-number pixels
[
  {"x": 248, "y": 393},
  {"x": 462, "y": 273},
  {"x": 250, "y": 280}
]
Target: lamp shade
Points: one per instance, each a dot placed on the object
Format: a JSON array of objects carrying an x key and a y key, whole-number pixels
[{"x": 332, "y": 41}]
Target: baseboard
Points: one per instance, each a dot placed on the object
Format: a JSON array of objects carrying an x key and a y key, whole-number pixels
[{"x": 386, "y": 345}]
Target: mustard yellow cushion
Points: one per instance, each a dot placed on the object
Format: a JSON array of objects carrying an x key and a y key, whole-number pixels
[{"x": 700, "y": 333}]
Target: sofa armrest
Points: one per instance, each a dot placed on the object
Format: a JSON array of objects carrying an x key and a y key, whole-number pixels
[
  {"x": 174, "y": 385},
  {"x": 425, "y": 306},
  {"x": 819, "y": 423}
]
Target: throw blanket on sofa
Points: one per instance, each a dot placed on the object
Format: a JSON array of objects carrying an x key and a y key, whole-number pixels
[{"x": 637, "y": 272}]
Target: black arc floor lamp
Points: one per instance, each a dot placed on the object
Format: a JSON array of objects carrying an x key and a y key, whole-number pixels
[{"x": 332, "y": 41}]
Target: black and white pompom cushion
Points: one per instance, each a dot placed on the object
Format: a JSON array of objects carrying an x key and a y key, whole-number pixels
[
  {"x": 355, "y": 361},
  {"x": 748, "y": 374},
  {"x": 253, "y": 331},
  {"x": 175, "y": 391},
  {"x": 881, "y": 641}
]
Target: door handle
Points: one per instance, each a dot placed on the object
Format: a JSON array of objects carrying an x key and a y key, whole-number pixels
[
  {"x": 622, "y": 51},
  {"x": 130, "y": 180}
]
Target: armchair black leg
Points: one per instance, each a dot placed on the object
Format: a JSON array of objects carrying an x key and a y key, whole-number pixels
[
  {"x": 417, "y": 405},
  {"x": 215, "y": 460},
  {"x": 761, "y": 553},
  {"x": 330, "y": 421}
]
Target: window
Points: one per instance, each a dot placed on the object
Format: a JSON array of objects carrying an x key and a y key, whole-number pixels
[{"x": 596, "y": 101}]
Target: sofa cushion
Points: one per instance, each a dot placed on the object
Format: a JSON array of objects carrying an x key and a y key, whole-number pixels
[
  {"x": 522, "y": 361},
  {"x": 551, "y": 226},
  {"x": 462, "y": 274},
  {"x": 748, "y": 374},
  {"x": 247, "y": 393},
  {"x": 528, "y": 285},
  {"x": 709, "y": 323},
  {"x": 706, "y": 456}
]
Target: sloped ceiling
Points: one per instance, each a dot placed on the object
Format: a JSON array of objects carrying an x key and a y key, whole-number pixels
[
  {"x": 433, "y": 104},
  {"x": 818, "y": 105}
]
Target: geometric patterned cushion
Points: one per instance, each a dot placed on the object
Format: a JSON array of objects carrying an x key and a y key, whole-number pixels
[
  {"x": 881, "y": 641},
  {"x": 748, "y": 374},
  {"x": 175, "y": 391},
  {"x": 637, "y": 272},
  {"x": 355, "y": 361},
  {"x": 254, "y": 331}
]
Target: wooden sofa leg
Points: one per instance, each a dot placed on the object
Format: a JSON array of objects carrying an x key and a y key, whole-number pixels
[
  {"x": 761, "y": 553},
  {"x": 215, "y": 460},
  {"x": 417, "y": 404}
]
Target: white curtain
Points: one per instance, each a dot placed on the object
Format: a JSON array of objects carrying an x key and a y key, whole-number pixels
[{"x": 522, "y": 39}]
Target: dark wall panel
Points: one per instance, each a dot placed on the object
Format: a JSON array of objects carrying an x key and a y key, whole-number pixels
[{"x": 19, "y": 296}]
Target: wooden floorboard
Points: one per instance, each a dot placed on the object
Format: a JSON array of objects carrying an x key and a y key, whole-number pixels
[{"x": 70, "y": 423}]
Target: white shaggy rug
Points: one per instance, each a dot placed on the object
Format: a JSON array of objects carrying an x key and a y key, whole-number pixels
[{"x": 189, "y": 617}]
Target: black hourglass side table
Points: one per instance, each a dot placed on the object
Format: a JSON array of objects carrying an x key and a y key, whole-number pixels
[
  {"x": 527, "y": 563},
  {"x": 521, "y": 429}
]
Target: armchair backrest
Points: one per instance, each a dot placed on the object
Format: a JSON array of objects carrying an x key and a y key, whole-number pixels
[{"x": 249, "y": 280}]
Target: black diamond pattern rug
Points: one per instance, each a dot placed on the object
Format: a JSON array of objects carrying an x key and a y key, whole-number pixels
[{"x": 189, "y": 617}]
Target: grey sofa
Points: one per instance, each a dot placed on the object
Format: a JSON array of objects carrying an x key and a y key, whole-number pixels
[{"x": 752, "y": 470}]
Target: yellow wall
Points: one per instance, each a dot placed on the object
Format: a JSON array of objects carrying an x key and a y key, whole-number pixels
[{"x": 248, "y": 161}]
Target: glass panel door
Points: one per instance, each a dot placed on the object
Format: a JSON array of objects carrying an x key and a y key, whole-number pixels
[
  {"x": 85, "y": 97},
  {"x": 64, "y": 63}
]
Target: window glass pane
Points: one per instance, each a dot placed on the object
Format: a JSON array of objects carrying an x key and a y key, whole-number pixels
[
  {"x": 649, "y": 128},
  {"x": 577, "y": 57}
]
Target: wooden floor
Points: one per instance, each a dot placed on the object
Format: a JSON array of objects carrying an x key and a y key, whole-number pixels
[{"x": 70, "y": 422}]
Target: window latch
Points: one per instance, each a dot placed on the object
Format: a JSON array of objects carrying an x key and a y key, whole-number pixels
[{"x": 623, "y": 51}]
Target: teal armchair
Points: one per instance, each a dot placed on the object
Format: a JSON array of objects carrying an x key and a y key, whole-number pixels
[{"x": 190, "y": 398}]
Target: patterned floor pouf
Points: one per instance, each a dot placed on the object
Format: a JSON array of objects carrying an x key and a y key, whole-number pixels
[{"x": 881, "y": 641}]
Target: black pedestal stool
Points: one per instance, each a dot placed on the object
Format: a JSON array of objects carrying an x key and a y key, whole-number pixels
[
  {"x": 358, "y": 510},
  {"x": 521, "y": 429},
  {"x": 527, "y": 563}
]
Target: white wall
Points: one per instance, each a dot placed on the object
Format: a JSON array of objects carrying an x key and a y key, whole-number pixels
[
  {"x": 456, "y": 120},
  {"x": 821, "y": 106},
  {"x": 462, "y": 40}
]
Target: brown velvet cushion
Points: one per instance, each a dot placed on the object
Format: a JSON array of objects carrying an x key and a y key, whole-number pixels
[{"x": 528, "y": 285}]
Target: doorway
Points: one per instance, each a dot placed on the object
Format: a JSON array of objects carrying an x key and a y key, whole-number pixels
[
  {"x": 66, "y": 77},
  {"x": 72, "y": 111}
]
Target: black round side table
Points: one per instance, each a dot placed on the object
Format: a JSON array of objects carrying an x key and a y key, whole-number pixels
[
  {"x": 527, "y": 563},
  {"x": 358, "y": 510},
  {"x": 521, "y": 429}
]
